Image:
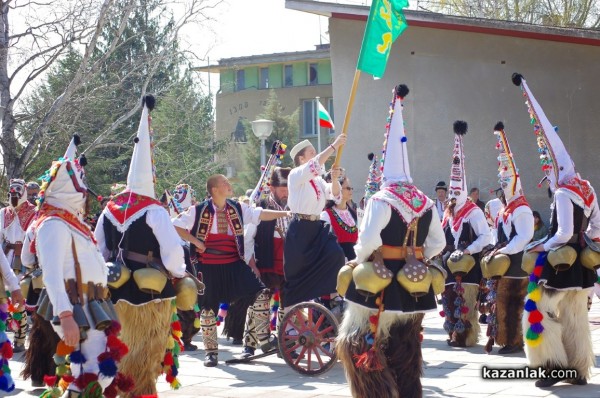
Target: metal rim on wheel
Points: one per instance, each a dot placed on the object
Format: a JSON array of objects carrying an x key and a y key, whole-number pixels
[{"x": 308, "y": 330}]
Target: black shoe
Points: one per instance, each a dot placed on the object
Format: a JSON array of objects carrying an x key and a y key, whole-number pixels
[
  {"x": 18, "y": 348},
  {"x": 270, "y": 345},
  {"x": 579, "y": 381},
  {"x": 237, "y": 342},
  {"x": 247, "y": 352},
  {"x": 510, "y": 349},
  {"x": 190, "y": 347},
  {"x": 37, "y": 383},
  {"x": 211, "y": 360},
  {"x": 544, "y": 383},
  {"x": 483, "y": 319}
]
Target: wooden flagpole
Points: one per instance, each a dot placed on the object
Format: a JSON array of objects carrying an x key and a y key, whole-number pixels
[{"x": 338, "y": 155}]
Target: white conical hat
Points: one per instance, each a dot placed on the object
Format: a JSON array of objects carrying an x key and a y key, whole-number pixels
[
  {"x": 457, "y": 189},
  {"x": 554, "y": 158},
  {"x": 394, "y": 163},
  {"x": 141, "y": 176},
  {"x": 508, "y": 174},
  {"x": 71, "y": 152}
]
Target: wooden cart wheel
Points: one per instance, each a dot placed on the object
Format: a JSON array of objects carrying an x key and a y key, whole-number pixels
[{"x": 307, "y": 338}]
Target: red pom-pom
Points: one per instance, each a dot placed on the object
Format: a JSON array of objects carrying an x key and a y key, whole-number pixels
[
  {"x": 168, "y": 361},
  {"x": 104, "y": 356},
  {"x": 176, "y": 326},
  {"x": 85, "y": 380},
  {"x": 170, "y": 378},
  {"x": 114, "y": 328},
  {"x": 50, "y": 381},
  {"x": 99, "y": 198},
  {"x": 111, "y": 391},
  {"x": 7, "y": 350},
  {"x": 124, "y": 383},
  {"x": 218, "y": 323},
  {"x": 374, "y": 319},
  {"x": 535, "y": 316},
  {"x": 113, "y": 342},
  {"x": 537, "y": 271},
  {"x": 464, "y": 310},
  {"x": 68, "y": 378}
]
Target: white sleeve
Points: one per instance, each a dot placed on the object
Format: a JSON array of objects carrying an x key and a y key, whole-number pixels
[
  {"x": 11, "y": 282},
  {"x": 186, "y": 219},
  {"x": 53, "y": 240},
  {"x": 101, "y": 238},
  {"x": 171, "y": 251},
  {"x": 325, "y": 217},
  {"x": 523, "y": 225},
  {"x": 328, "y": 189},
  {"x": 304, "y": 173},
  {"x": 251, "y": 214},
  {"x": 377, "y": 216},
  {"x": 249, "y": 235},
  {"x": 27, "y": 256},
  {"x": 2, "y": 211},
  {"x": 564, "y": 217},
  {"x": 435, "y": 240},
  {"x": 481, "y": 229},
  {"x": 593, "y": 230}
]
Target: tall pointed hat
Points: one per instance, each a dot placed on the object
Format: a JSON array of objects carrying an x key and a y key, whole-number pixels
[
  {"x": 508, "y": 174},
  {"x": 374, "y": 177},
  {"x": 394, "y": 159},
  {"x": 142, "y": 177},
  {"x": 457, "y": 188},
  {"x": 557, "y": 165}
]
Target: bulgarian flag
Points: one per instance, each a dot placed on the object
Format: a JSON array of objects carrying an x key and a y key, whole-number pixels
[
  {"x": 324, "y": 118},
  {"x": 386, "y": 22}
]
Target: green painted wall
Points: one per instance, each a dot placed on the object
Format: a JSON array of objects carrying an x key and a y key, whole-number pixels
[
  {"x": 251, "y": 77},
  {"x": 324, "y": 70},
  {"x": 227, "y": 81},
  {"x": 276, "y": 76},
  {"x": 300, "y": 74}
]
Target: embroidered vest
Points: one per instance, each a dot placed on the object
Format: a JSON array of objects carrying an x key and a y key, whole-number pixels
[
  {"x": 343, "y": 232},
  {"x": 205, "y": 216}
]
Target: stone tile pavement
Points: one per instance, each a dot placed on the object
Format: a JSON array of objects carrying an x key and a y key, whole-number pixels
[{"x": 448, "y": 372}]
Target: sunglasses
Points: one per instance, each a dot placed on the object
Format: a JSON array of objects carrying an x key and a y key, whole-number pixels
[{"x": 349, "y": 188}]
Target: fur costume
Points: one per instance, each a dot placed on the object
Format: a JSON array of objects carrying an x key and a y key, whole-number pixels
[
  {"x": 399, "y": 353},
  {"x": 42, "y": 346},
  {"x": 509, "y": 311},
  {"x": 147, "y": 342}
]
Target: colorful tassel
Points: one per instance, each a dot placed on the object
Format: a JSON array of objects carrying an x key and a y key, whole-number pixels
[{"x": 533, "y": 336}]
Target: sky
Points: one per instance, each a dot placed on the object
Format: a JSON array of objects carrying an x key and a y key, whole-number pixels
[{"x": 252, "y": 27}]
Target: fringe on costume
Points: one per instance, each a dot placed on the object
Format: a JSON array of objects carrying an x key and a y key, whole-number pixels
[
  {"x": 145, "y": 329},
  {"x": 399, "y": 352},
  {"x": 509, "y": 310},
  {"x": 471, "y": 335},
  {"x": 42, "y": 346}
]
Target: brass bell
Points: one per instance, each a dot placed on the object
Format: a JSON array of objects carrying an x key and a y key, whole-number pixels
[
  {"x": 106, "y": 303},
  {"x": 344, "y": 278},
  {"x": 590, "y": 259},
  {"x": 186, "y": 294},
  {"x": 42, "y": 303},
  {"x": 80, "y": 318},
  {"x": 118, "y": 273},
  {"x": 25, "y": 285},
  {"x": 528, "y": 262},
  {"x": 438, "y": 280},
  {"x": 563, "y": 258},
  {"x": 49, "y": 311},
  {"x": 415, "y": 278},
  {"x": 56, "y": 320},
  {"x": 460, "y": 263},
  {"x": 495, "y": 266},
  {"x": 150, "y": 280},
  {"x": 371, "y": 278}
]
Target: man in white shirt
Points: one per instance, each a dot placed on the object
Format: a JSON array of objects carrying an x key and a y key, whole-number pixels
[{"x": 441, "y": 190}]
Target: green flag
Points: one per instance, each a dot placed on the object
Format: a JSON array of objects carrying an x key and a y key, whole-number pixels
[{"x": 386, "y": 22}]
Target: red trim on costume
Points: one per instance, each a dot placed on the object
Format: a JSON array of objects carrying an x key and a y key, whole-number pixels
[
  {"x": 343, "y": 231},
  {"x": 127, "y": 204},
  {"x": 512, "y": 206},
  {"x": 409, "y": 195},
  {"x": 457, "y": 220},
  {"x": 49, "y": 211},
  {"x": 582, "y": 188},
  {"x": 277, "y": 256},
  {"x": 227, "y": 247},
  {"x": 25, "y": 213}
]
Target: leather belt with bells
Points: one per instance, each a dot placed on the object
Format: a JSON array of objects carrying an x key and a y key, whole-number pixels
[
  {"x": 400, "y": 252},
  {"x": 306, "y": 217}
]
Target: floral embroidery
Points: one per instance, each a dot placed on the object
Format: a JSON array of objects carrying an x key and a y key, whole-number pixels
[{"x": 127, "y": 204}]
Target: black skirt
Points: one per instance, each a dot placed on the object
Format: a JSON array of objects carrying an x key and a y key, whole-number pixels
[
  {"x": 395, "y": 297},
  {"x": 225, "y": 283},
  {"x": 576, "y": 276},
  {"x": 312, "y": 259}
]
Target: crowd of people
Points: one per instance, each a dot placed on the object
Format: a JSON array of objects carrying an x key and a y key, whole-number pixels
[{"x": 114, "y": 299}]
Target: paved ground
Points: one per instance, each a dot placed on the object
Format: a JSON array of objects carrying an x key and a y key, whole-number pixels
[{"x": 449, "y": 372}]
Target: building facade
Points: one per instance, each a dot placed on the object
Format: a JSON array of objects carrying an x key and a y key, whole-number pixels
[
  {"x": 460, "y": 68},
  {"x": 297, "y": 78}
]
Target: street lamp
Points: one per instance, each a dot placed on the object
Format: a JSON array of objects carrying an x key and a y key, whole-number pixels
[{"x": 262, "y": 129}]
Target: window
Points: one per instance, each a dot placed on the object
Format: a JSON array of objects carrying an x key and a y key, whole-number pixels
[
  {"x": 308, "y": 118},
  {"x": 330, "y": 110},
  {"x": 313, "y": 74},
  {"x": 240, "y": 82},
  {"x": 288, "y": 76},
  {"x": 264, "y": 78}
]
